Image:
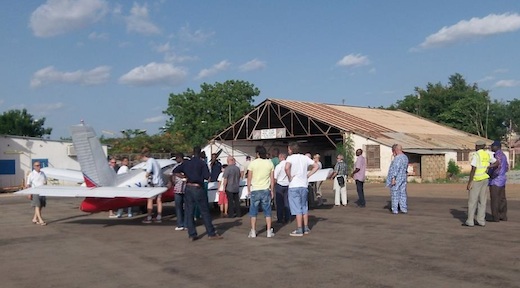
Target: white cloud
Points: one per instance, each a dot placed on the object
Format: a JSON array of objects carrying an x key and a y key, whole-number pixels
[
  {"x": 154, "y": 74},
  {"x": 486, "y": 79},
  {"x": 174, "y": 58},
  {"x": 252, "y": 65},
  {"x": 163, "y": 48},
  {"x": 507, "y": 83},
  {"x": 2, "y": 101},
  {"x": 170, "y": 55},
  {"x": 48, "y": 75},
  {"x": 98, "y": 36},
  {"x": 139, "y": 21},
  {"x": 46, "y": 108},
  {"x": 221, "y": 66},
  {"x": 198, "y": 36},
  {"x": 353, "y": 60},
  {"x": 61, "y": 16},
  {"x": 156, "y": 119},
  {"x": 501, "y": 70},
  {"x": 473, "y": 28}
]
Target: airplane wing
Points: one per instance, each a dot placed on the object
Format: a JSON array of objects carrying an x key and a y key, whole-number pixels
[
  {"x": 162, "y": 163},
  {"x": 320, "y": 175},
  {"x": 99, "y": 192},
  {"x": 64, "y": 174}
]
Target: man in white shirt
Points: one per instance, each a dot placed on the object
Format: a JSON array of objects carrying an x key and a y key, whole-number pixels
[
  {"x": 283, "y": 212},
  {"x": 155, "y": 179},
  {"x": 296, "y": 168},
  {"x": 35, "y": 179},
  {"x": 123, "y": 169}
]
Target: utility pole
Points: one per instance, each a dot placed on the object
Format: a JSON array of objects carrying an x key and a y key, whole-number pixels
[{"x": 487, "y": 119}]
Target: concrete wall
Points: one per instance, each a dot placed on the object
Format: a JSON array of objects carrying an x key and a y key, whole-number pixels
[{"x": 433, "y": 167}]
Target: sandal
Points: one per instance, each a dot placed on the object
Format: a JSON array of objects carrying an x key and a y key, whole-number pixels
[
  {"x": 35, "y": 221},
  {"x": 41, "y": 223}
]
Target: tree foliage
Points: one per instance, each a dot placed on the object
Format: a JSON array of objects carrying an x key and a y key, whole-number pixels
[
  {"x": 165, "y": 143},
  {"x": 199, "y": 116},
  {"x": 20, "y": 123},
  {"x": 459, "y": 105}
]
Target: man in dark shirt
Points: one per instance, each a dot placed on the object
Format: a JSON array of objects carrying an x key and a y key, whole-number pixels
[
  {"x": 196, "y": 171},
  {"x": 216, "y": 168}
]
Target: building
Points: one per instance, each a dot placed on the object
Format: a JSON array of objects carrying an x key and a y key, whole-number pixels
[
  {"x": 322, "y": 128},
  {"x": 17, "y": 154}
]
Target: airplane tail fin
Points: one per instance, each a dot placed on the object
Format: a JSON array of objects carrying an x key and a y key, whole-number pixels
[{"x": 91, "y": 158}]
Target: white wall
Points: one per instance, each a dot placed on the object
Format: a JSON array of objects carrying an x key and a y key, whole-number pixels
[
  {"x": 24, "y": 149},
  {"x": 385, "y": 155}
]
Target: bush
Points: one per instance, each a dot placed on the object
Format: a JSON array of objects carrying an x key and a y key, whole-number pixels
[{"x": 453, "y": 168}]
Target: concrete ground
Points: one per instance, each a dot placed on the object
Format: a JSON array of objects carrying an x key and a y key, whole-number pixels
[{"x": 348, "y": 247}]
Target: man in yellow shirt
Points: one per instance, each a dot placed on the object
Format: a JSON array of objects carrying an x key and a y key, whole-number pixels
[{"x": 260, "y": 187}]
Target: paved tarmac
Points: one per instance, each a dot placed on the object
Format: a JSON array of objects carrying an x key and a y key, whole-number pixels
[{"x": 348, "y": 247}]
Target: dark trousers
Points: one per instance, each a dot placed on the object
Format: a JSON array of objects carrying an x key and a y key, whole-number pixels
[
  {"x": 498, "y": 202},
  {"x": 233, "y": 204},
  {"x": 283, "y": 212},
  {"x": 197, "y": 196},
  {"x": 179, "y": 210},
  {"x": 360, "y": 193}
]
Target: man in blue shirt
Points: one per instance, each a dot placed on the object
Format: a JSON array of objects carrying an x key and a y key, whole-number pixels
[
  {"x": 196, "y": 171},
  {"x": 397, "y": 180}
]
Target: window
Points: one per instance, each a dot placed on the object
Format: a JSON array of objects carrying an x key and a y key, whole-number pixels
[
  {"x": 373, "y": 157},
  {"x": 462, "y": 155}
]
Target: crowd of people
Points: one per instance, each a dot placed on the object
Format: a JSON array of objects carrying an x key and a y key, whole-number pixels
[{"x": 281, "y": 179}]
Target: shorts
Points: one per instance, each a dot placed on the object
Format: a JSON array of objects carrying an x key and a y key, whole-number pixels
[
  {"x": 298, "y": 200},
  {"x": 222, "y": 198},
  {"x": 38, "y": 201},
  {"x": 158, "y": 196},
  {"x": 260, "y": 197}
]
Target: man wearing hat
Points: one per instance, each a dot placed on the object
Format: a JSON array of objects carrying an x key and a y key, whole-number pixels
[
  {"x": 497, "y": 183},
  {"x": 477, "y": 184}
]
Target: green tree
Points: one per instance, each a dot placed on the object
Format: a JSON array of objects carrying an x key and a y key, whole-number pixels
[
  {"x": 158, "y": 143},
  {"x": 513, "y": 115},
  {"x": 20, "y": 123},
  {"x": 199, "y": 116},
  {"x": 347, "y": 150},
  {"x": 458, "y": 105}
]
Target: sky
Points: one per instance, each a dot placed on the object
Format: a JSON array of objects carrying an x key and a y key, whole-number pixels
[{"x": 113, "y": 64}]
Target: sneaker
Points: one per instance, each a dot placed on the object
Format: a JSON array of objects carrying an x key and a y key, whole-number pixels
[
  {"x": 306, "y": 230},
  {"x": 147, "y": 220},
  {"x": 130, "y": 215},
  {"x": 270, "y": 233},
  {"x": 296, "y": 233},
  {"x": 252, "y": 234},
  {"x": 179, "y": 228},
  {"x": 113, "y": 216},
  {"x": 157, "y": 220}
]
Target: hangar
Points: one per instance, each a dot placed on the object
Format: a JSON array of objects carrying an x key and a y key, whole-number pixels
[{"x": 325, "y": 128}]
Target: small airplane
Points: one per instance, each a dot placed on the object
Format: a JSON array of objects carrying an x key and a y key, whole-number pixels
[{"x": 104, "y": 189}]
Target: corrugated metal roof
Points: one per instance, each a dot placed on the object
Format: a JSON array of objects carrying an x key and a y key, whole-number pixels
[{"x": 385, "y": 126}]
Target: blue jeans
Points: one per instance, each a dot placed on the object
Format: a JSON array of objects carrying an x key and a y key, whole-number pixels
[
  {"x": 197, "y": 196},
  {"x": 283, "y": 212},
  {"x": 298, "y": 200},
  {"x": 179, "y": 210},
  {"x": 360, "y": 193},
  {"x": 260, "y": 197}
]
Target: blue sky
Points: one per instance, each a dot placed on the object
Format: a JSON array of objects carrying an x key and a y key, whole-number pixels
[{"x": 113, "y": 64}]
